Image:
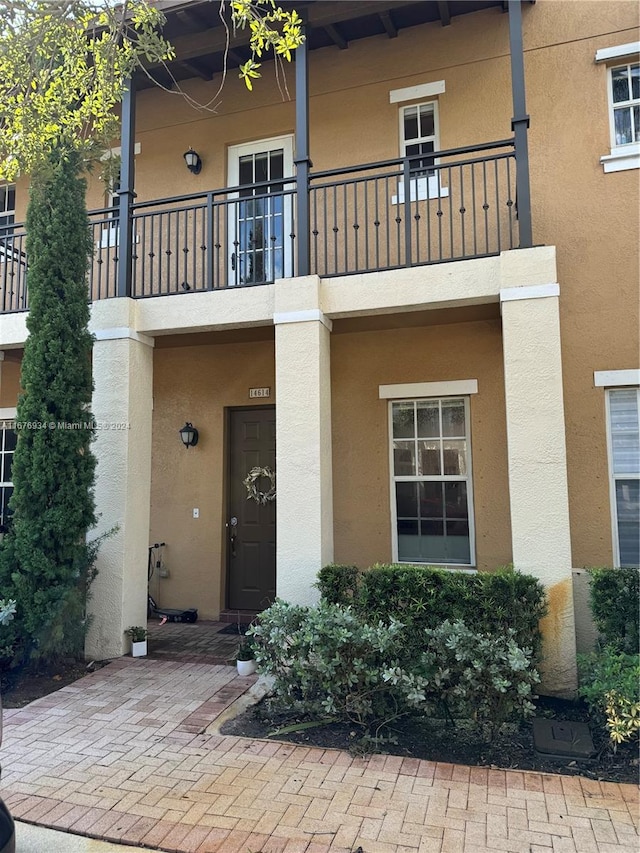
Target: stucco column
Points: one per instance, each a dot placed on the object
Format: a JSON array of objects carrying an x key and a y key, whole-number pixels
[
  {"x": 538, "y": 489},
  {"x": 122, "y": 407},
  {"x": 304, "y": 506}
]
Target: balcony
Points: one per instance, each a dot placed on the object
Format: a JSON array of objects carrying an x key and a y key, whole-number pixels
[{"x": 448, "y": 206}]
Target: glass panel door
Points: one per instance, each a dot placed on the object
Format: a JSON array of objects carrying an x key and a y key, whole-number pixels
[{"x": 259, "y": 223}]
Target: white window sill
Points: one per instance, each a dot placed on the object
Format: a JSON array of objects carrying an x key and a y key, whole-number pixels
[
  {"x": 421, "y": 190},
  {"x": 622, "y": 158},
  {"x": 454, "y": 567}
]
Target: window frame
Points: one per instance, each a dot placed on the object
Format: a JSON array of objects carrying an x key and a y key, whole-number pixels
[
  {"x": 615, "y": 538},
  {"x": 7, "y": 416},
  {"x": 423, "y": 187},
  {"x": 626, "y": 156},
  {"x": 6, "y": 228},
  {"x": 471, "y": 566},
  {"x": 621, "y": 147}
]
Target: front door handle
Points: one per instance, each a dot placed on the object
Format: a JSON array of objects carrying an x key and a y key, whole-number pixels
[{"x": 233, "y": 533}]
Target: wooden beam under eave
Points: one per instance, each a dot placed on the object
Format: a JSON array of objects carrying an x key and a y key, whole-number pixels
[
  {"x": 444, "y": 12},
  {"x": 234, "y": 57},
  {"x": 335, "y": 37},
  {"x": 387, "y": 23},
  {"x": 157, "y": 76},
  {"x": 192, "y": 19},
  {"x": 197, "y": 69}
]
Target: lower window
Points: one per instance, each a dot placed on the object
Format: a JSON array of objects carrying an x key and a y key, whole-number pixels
[
  {"x": 8, "y": 439},
  {"x": 624, "y": 455},
  {"x": 431, "y": 481}
]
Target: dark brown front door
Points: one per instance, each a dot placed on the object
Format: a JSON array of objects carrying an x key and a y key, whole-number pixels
[{"x": 251, "y": 526}]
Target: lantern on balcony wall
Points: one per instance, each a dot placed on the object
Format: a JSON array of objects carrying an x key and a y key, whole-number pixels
[
  {"x": 193, "y": 161},
  {"x": 189, "y": 435}
]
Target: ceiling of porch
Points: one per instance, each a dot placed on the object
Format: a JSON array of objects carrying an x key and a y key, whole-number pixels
[{"x": 196, "y": 31}]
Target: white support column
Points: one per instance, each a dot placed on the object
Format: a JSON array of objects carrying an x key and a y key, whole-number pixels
[
  {"x": 122, "y": 407},
  {"x": 304, "y": 507},
  {"x": 538, "y": 488}
]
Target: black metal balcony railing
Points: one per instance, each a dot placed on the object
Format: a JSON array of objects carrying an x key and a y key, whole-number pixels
[{"x": 448, "y": 206}]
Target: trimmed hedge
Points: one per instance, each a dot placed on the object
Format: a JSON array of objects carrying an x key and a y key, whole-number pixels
[
  {"x": 423, "y": 597},
  {"x": 614, "y": 603}
]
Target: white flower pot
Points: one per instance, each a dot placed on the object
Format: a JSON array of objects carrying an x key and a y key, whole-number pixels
[
  {"x": 246, "y": 667},
  {"x": 139, "y": 650}
]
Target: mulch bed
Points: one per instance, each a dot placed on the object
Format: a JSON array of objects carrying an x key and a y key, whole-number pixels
[
  {"x": 18, "y": 688},
  {"x": 437, "y": 740}
]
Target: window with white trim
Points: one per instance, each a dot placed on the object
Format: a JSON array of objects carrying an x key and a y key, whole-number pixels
[
  {"x": 8, "y": 440},
  {"x": 7, "y": 209},
  {"x": 418, "y": 140},
  {"x": 623, "y": 417},
  {"x": 623, "y": 93},
  {"x": 431, "y": 485},
  {"x": 624, "y": 82}
]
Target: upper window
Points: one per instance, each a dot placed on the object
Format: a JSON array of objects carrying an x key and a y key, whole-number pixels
[
  {"x": 625, "y": 104},
  {"x": 7, "y": 209},
  {"x": 623, "y": 93},
  {"x": 419, "y": 141},
  {"x": 624, "y": 454},
  {"x": 8, "y": 440},
  {"x": 419, "y": 137},
  {"x": 431, "y": 481}
]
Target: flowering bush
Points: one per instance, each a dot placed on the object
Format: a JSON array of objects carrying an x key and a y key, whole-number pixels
[{"x": 610, "y": 685}]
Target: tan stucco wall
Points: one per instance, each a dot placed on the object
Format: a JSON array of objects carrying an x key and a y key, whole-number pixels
[
  {"x": 196, "y": 384},
  {"x": 592, "y": 219},
  {"x": 360, "y": 362},
  {"x": 9, "y": 383}
]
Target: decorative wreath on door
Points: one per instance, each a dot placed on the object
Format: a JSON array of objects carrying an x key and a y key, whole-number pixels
[{"x": 251, "y": 484}]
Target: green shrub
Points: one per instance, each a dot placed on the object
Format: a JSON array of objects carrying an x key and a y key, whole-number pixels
[
  {"x": 614, "y": 595},
  {"x": 327, "y": 663},
  {"x": 488, "y": 679},
  {"x": 423, "y": 597},
  {"x": 339, "y": 584},
  {"x": 610, "y": 684}
]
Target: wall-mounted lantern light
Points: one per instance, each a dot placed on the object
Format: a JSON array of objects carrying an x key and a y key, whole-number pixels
[
  {"x": 193, "y": 161},
  {"x": 189, "y": 435}
]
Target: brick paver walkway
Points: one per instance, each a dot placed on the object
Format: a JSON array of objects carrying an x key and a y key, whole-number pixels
[
  {"x": 199, "y": 642},
  {"x": 124, "y": 754}
]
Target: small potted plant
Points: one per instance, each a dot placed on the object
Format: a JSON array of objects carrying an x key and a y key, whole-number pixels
[
  {"x": 138, "y": 636},
  {"x": 245, "y": 658}
]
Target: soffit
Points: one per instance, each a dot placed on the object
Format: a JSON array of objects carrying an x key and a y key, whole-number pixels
[{"x": 196, "y": 31}]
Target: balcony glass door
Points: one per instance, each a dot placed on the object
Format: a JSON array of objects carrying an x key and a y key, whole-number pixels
[{"x": 260, "y": 217}]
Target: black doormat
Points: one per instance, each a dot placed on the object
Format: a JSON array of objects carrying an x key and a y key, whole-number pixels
[{"x": 234, "y": 628}]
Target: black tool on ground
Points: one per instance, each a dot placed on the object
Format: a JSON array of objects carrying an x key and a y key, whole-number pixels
[{"x": 166, "y": 614}]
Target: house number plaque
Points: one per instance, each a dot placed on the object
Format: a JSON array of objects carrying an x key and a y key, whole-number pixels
[{"x": 255, "y": 393}]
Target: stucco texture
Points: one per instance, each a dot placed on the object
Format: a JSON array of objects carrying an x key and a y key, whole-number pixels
[{"x": 9, "y": 382}]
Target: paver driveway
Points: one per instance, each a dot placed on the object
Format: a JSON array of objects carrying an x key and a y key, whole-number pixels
[{"x": 123, "y": 754}]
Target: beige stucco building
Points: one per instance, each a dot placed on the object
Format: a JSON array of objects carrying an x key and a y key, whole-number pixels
[{"x": 437, "y": 369}]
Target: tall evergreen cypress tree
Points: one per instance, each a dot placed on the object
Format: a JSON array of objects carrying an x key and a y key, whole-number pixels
[{"x": 53, "y": 469}]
